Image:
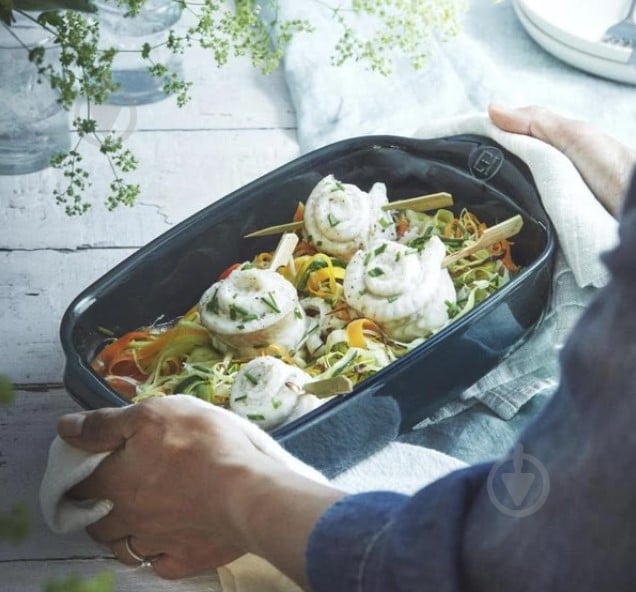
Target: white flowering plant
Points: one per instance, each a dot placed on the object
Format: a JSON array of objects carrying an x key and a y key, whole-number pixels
[{"x": 227, "y": 29}]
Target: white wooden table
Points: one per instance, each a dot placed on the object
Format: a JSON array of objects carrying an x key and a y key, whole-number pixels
[{"x": 238, "y": 126}]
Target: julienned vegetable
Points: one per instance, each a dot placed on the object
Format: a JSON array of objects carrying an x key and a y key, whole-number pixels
[{"x": 330, "y": 324}]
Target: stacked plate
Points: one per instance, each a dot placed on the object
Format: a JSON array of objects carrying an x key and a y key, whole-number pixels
[{"x": 573, "y": 31}]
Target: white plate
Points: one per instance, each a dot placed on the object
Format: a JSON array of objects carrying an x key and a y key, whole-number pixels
[{"x": 577, "y": 40}]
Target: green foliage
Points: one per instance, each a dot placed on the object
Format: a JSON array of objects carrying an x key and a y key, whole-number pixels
[
  {"x": 15, "y": 524},
  {"x": 84, "y": 70},
  {"x": 102, "y": 582},
  {"x": 7, "y": 393},
  {"x": 399, "y": 25},
  {"x": 240, "y": 31},
  {"x": 8, "y": 6}
]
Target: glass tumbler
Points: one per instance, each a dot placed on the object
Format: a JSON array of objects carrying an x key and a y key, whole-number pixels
[
  {"x": 128, "y": 34},
  {"x": 33, "y": 124}
]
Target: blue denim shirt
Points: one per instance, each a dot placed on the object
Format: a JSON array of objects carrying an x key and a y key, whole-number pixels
[{"x": 559, "y": 513}]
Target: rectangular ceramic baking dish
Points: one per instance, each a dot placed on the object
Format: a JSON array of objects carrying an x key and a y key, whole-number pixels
[{"x": 167, "y": 276}]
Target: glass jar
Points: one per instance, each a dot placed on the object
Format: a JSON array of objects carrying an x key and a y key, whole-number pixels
[
  {"x": 128, "y": 34},
  {"x": 33, "y": 124}
]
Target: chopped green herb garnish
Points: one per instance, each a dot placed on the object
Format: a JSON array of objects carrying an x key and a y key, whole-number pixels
[
  {"x": 251, "y": 378},
  {"x": 238, "y": 311},
  {"x": 338, "y": 186},
  {"x": 398, "y": 256},
  {"x": 276, "y": 403},
  {"x": 298, "y": 314},
  {"x": 256, "y": 417},
  {"x": 105, "y": 331},
  {"x": 241, "y": 398},
  {"x": 270, "y": 301},
  {"x": 187, "y": 384},
  {"x": 367, "y": 258},
  {"x": 313, "y": 266},
  {"x": 380, "y": 249},
  {"x": 332, "y": 220},
  {"x": 392, "y": 298},
  {"x": 247, "y": 265},
  {"x": 452, "y": 308},
  {"x": 384, "y": 222},
  {"x": 375, "y": 272},
  {"x": 213, "y": 304}
]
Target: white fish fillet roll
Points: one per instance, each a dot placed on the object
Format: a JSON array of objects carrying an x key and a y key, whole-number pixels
[
  {"x": 251, "y": 309},
  {"x": 340, "y": 218},
  {"x": 269, "y": 392},
  {"x": 403, "y": 290}
]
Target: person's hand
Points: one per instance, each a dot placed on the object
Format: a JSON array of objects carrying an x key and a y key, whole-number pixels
[
  {"x": 604, "y": 163},
  {"x": 191, "y": 490}
]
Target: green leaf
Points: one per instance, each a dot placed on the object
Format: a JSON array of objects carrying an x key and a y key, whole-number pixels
[
  {"x": 6, "y": 9},
  {"x": 102, "y": 582},
  {"x": 51, "y": 18},
  {"x": 6, "y": 391},
  {"x": 15, "y": 524},
  {"x": 42, "y": 5}
]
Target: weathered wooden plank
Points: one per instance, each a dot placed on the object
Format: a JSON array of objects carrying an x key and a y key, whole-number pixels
[
  {"x": 236, "y": 96},
  {"x": 30, "y": 576},
  {"x": 35, "y": 290},
  {"x": 179, "y": 173},
  {"x": 27, "y": 428}
]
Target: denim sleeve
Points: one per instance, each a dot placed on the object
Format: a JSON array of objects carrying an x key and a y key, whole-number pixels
[
  {"x": 557, "y": 514},
  {"x": 383, "y": 541}
]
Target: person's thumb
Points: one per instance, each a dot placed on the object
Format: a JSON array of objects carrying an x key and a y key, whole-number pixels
[
  {"x": 99, "y": 431},
  {"x": 543, "y": 124}
]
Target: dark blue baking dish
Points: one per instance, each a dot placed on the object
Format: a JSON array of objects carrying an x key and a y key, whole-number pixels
[{"x": 167, "y": 276}]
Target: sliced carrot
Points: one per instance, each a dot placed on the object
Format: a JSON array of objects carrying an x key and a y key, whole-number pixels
[
  {"x": 304, "y": 248},
  {"x": 125, "y": 364},
  {"x": 263, "y": 260},
  {"x": 146, "y": 353},
  {"x": 356, "y": 329},
  {"x": 453, "y": 229},
  {"x": 277, "y": 351},
  {"x": 502, "y": 250},
  {"x": 402, "y": 225},
  {"x": 299, "y": 214},
  {"x": 125, "y": 386},
  {"x": 113, "y": 351},
  {"x": 227, "y": 271},
  {"x": 342, "y": 312}
]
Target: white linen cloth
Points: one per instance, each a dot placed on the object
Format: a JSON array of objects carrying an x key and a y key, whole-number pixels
[{"x": 584, "y": 229}]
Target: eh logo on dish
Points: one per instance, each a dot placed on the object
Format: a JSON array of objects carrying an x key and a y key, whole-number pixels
[{"x": 484, "y": 162}]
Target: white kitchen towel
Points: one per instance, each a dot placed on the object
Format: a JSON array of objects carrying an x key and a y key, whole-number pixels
[
  {"x": 585, "y": 230},
  {"x": 584, "y": 227},
  {"x": 398, "y": 467},
  {"x": 492, "y": 60}
]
